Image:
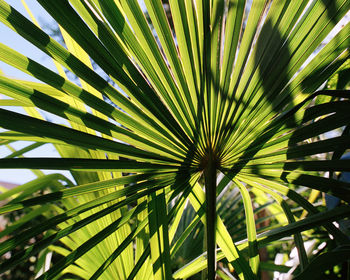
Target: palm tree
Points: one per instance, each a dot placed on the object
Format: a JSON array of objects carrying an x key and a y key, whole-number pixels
[{"x": 226, "y": 94}]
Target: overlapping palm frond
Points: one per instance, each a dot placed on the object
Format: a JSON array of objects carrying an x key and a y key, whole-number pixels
[{"x": 225, "y": 91}]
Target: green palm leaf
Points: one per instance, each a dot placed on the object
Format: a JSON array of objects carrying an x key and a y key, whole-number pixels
[{"x": 190, "y": 90}]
